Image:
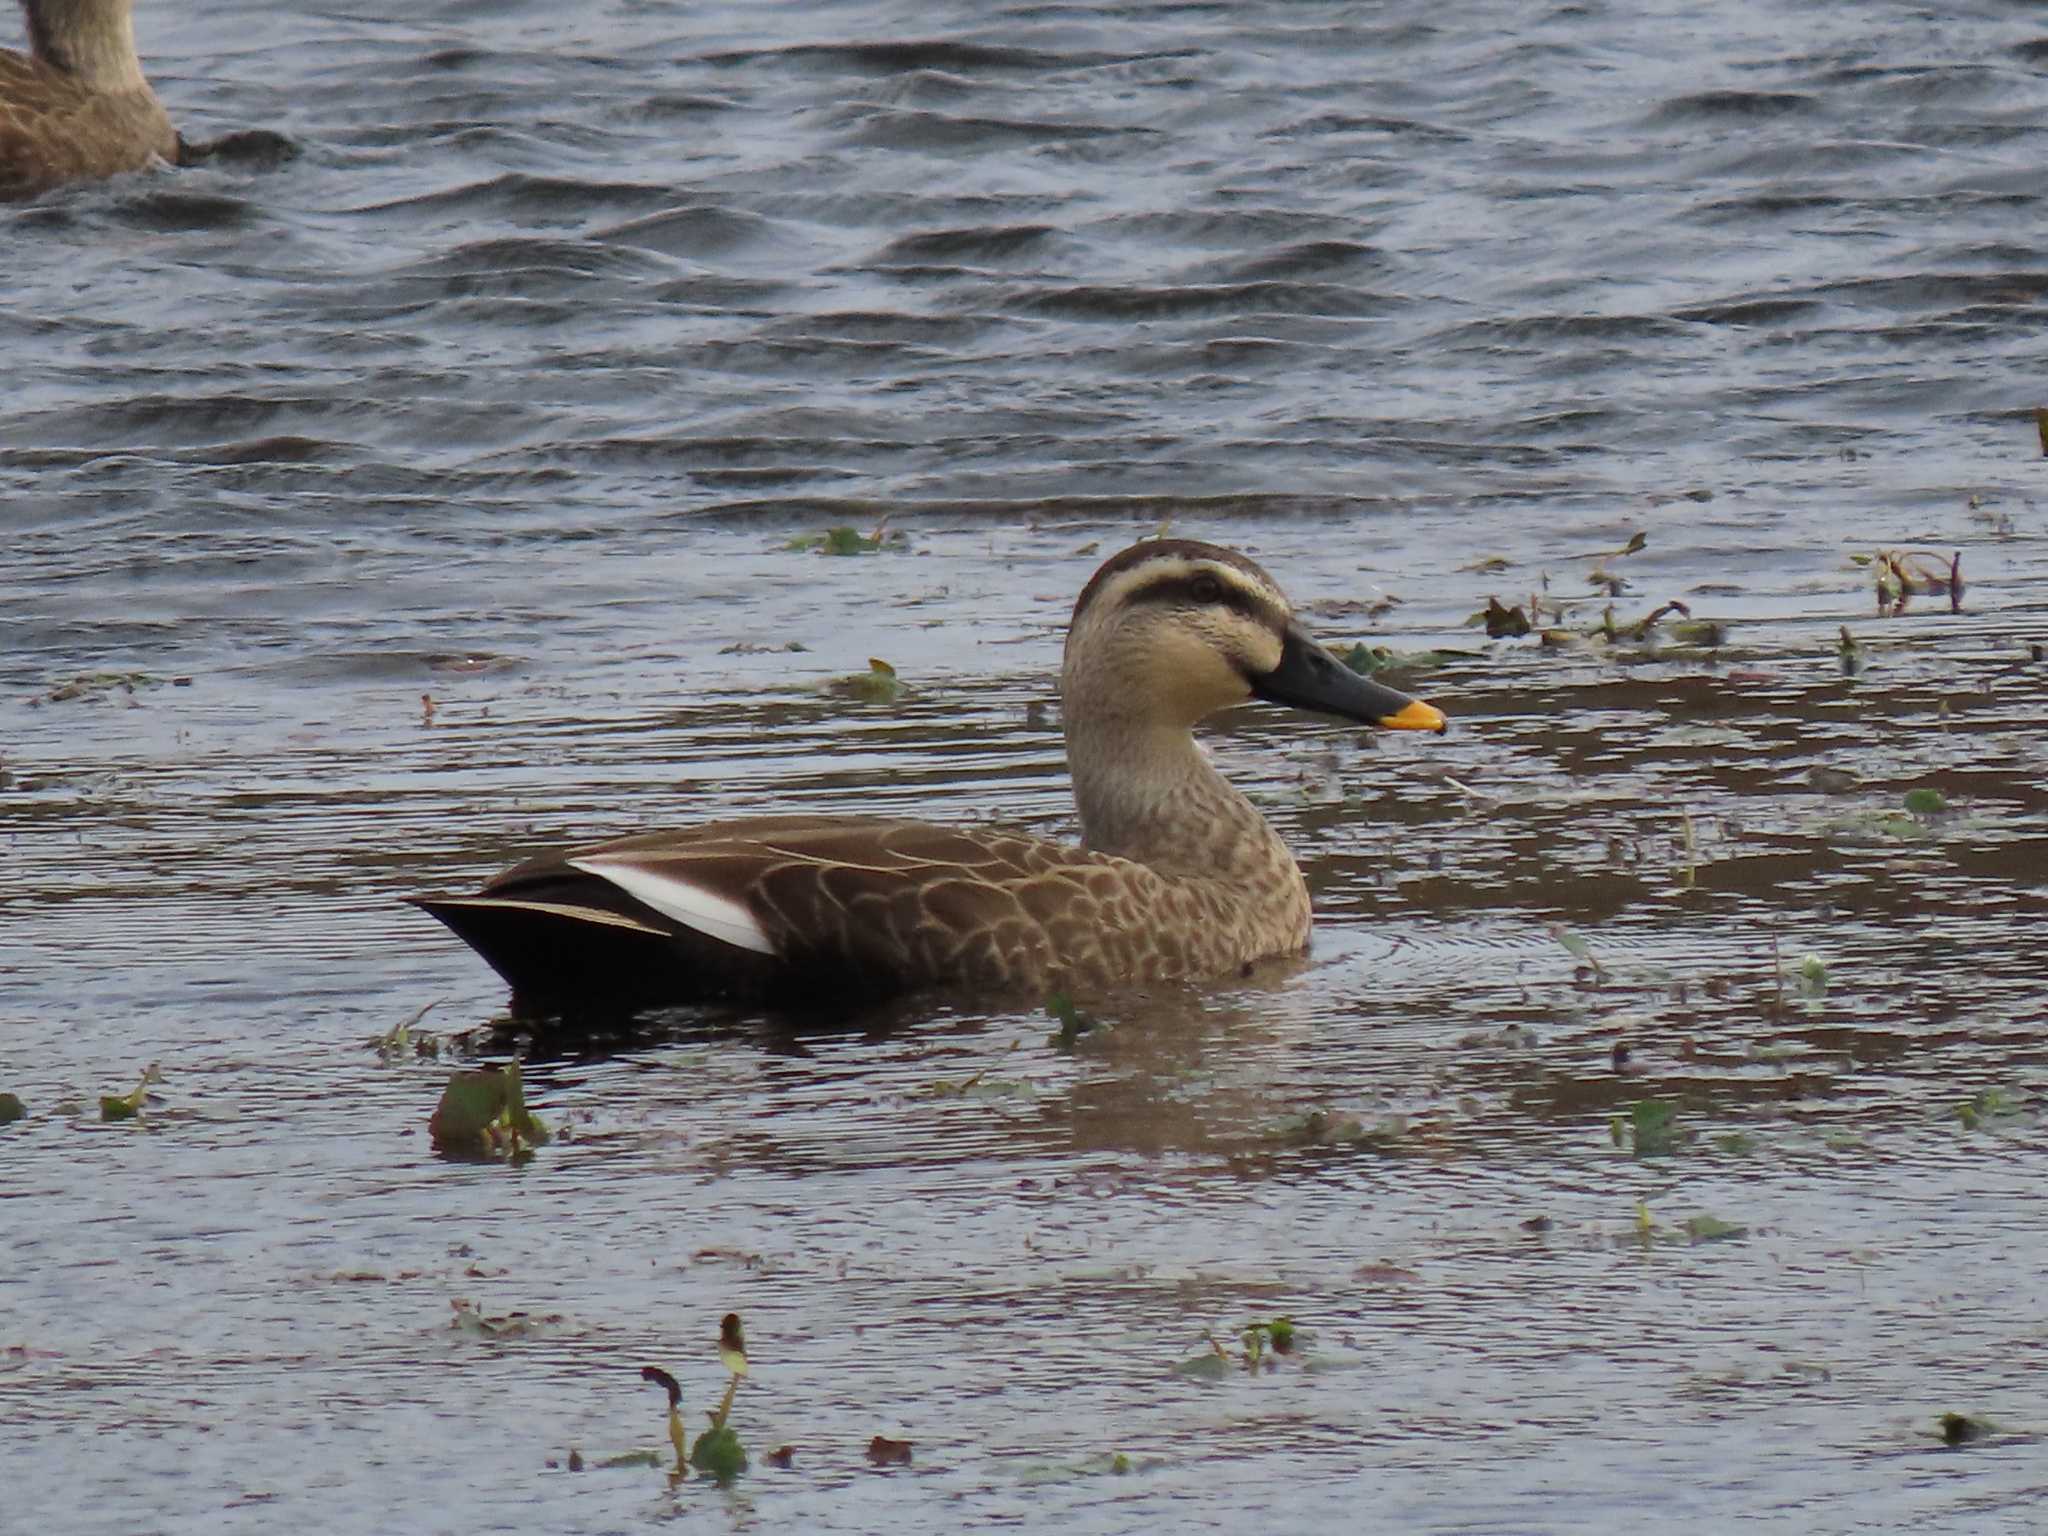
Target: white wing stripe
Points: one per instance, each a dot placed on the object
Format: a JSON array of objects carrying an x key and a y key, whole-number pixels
[{"x": 715, "y": 916}]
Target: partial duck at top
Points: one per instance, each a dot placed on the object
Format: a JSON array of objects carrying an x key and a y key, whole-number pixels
[
  {"x": 1177, "y": 876},
  {"x": 77, "y": 106}
]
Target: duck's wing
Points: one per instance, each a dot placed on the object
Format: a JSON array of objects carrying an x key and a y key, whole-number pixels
[{"x": 806, "y": 908}]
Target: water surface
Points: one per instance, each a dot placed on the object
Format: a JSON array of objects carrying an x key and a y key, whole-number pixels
[{"x": 374, "y": 519}]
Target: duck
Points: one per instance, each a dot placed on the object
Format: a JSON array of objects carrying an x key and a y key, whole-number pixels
[
  {"x": 77, "y": 105},
  {"x": 1177, "y": 877}
]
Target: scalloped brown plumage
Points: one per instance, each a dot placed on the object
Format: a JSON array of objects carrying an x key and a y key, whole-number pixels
[
  {"x": 1178, "y": 876},
  {"x": 78, "y": 106}
]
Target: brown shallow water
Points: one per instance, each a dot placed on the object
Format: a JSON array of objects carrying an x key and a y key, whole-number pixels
[{"x": 511, "y": 391}]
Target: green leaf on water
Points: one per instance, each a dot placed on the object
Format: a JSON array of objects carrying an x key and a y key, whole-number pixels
[
  {"x": 1074, "y": 1024},
  {"x": 1707, "y": 632},
  {"x": 1925, "y": 802},
  {"x": 1736, "y": 1144},
  {"x": 484, "y": 1113},
  {"x": 1711, "y": 1229},
  {"x": 878, "y": 685},
  {"x": 1652, "y": 1128},
  {"x": 1986, "y": 1108},
  {"x": 127, "y": 1106},
  {"x": 718, "y": 1452},
  {"x": 979, "y": 1086},
  {"x": 11, "y": 1109},
  {"x": 1261, "y": 1335},
  {"x": 646, "y": 1458},
  {"x": 1210, "y": 1365}
]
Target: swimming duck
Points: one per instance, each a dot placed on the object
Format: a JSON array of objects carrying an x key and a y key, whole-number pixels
[
  {"x": 77, "y": 105},
  {"x": 1177, "y": 875}
]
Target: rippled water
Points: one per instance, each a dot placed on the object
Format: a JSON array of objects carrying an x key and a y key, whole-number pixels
[{"x": 432, "y": 491}]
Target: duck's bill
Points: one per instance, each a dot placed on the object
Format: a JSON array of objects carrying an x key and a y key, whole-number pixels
[{"x": 1309, "y": 677}]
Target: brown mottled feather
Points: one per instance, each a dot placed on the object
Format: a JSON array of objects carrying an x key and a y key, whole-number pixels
[
  {"x": 1177, "y": 877},
  {"x": 60, "y": 123},
  {"x": 865, "y": 909}
]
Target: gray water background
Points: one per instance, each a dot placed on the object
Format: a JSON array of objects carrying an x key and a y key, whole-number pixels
[{"x": 509, "y": 394}]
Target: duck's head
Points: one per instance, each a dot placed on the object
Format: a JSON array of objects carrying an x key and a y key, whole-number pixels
[{"x": 1172, "y": 630}]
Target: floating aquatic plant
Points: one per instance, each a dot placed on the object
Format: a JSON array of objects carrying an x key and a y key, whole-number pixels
[
  {"x": 483, "y": 1114},
  {"x": 878, "y": 685},
  {"x": 127, "y": 1106},
  {"x": 1987, "y": 1108},
  {"x": 1649, "y": 1129},
  {"x": 677, "y": 1436},
  {"x": 1261, "y": 1343},
  {"x": 1899, "y": 575},
  {"x": 847, "y": 540},
  {"x": 717, "y": 1452},
  {"x": 1705, "y": 1228},
  {"x": 1074, "y": 1024},
  {"x": 400, "y": 1040}
]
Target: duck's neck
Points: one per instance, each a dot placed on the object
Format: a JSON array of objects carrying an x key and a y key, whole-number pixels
[
  {"x": 1146, "y": 791},
  {"x": 91, "y": 39}
]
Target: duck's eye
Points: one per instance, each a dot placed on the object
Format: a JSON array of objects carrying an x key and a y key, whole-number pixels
[{"x": 1206, "y": 589}]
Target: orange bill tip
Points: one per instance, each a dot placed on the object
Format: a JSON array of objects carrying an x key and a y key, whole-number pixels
[{"x": 1415, "y": 716}]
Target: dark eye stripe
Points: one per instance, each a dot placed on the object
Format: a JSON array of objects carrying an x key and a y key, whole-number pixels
[{"x": 1179, "y": 589}]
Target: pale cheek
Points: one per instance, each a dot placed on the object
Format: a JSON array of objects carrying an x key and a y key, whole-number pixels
[{"x": 1194, "y": 681}]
